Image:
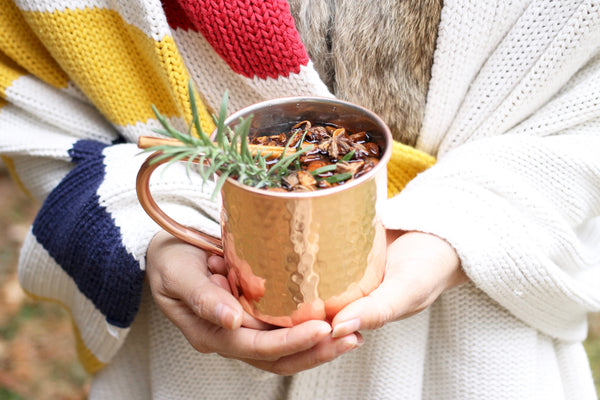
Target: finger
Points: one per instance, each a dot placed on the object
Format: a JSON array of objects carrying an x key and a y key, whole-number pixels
[
  {"x": 212, "y": 302},
  {"x": 247, "y": 320},
  {"x": 274, "y": 344},
  {"x": 205, "y": 301},
  {"x": 245, "y": 343},
  {"x": 178, "y": 272},
  {"x": 326, "y": 350},
  {"x": 217, "y": 265},
  {"x": 220, "y": 281},
  {"x": 420, "y": 267},
  {"x": 386, "y": 303}
]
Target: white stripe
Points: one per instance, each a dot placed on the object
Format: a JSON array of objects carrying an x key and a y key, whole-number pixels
[
  {"x": 305, "y": 83},
  {"x": 147, "y": 15},
  {"x": 131, "y": 133},
  {"x": 40, "y": 175},
  {"x": 212, "y": 74},
  {"x": 40, "y": 275},
  {"x": 24, "y": 134},
  {"x": 144, "y": 14},
  {"x": 181, "y": 197},
  {"x": 213, "y": 77},
  {"x": 59, "y": 109},
  {"x": 49, "y": 6}
]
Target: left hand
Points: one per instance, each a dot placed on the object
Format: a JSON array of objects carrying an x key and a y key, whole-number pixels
[
  {"x": 420, "y": 267},
  {"x": 190, "y": 288}
]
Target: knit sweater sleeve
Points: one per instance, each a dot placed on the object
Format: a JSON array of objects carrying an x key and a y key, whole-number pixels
[
  {"x": 516, "y": 189},
  {"x": 72, "y": 107},
  {"x": 522, "y": 213},
  {"x": 71, "y": 110}
]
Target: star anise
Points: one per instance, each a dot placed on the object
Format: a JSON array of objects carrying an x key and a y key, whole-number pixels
[
  {"x": 352, "y": 167},
  {"x": 337, "y": 145}
]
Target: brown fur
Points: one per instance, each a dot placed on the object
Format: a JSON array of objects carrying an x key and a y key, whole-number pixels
[{"x": 377, "y": 53}]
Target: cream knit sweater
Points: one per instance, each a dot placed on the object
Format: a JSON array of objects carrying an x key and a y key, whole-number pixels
[{"x": 513, "y": 116}]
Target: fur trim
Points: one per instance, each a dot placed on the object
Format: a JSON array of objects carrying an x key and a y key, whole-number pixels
[{"x": 374, "y": 53}]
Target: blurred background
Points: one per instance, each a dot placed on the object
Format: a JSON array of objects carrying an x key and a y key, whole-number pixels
[{"x": 37, "y": 350}]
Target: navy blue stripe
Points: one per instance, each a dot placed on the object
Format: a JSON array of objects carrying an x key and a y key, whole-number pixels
[{"x": 82, "y": 238}]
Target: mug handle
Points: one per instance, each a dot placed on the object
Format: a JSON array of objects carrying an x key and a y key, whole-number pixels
[{"x": 192, "y": 236}]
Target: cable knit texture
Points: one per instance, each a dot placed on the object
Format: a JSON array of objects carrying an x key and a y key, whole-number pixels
[{"x": 505, "y": 168}]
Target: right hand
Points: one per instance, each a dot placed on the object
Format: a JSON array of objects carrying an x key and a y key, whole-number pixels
[{"x": 191, "y": 289}]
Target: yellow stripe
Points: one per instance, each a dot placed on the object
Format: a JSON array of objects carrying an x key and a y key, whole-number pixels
[
  {"x": 88, "y": 360},
  {"x": 120, "y": 69},
  {"x": 18, "y": 42},
  {"x": 2, "y": 102},
  {"x": 406, "y": 163},
  {"x": 9, "y": 72},
  {"x": 175, "y": 74}
]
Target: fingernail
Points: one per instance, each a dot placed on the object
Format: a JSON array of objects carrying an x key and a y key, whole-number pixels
[
  {"x": 345, "y": 328},
  {"x": 346, "y": 344},
  {"x": 228, "y": 317},
  {"x": 324, "y": 330}
]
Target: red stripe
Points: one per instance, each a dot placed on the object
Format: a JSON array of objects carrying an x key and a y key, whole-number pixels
[{"x": 255, "y": 38}]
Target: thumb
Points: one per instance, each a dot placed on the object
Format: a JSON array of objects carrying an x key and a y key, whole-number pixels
[
  {"x": 389, "y": 302},
  {"x": 419, "y": 267},
  {"x": 178, "y": 275}
]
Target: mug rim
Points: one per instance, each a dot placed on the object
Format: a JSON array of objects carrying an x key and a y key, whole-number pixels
[{"x": 383, "y": 160}]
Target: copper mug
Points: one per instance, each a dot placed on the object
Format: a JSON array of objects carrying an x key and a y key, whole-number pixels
[{"x": 296, "y": 256}]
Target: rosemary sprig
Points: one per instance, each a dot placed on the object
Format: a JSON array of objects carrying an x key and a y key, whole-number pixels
[
  {"x": 338, "y": 177},
  {"x": 228, "y": 156},
  {"x": 322, "y": 170}
]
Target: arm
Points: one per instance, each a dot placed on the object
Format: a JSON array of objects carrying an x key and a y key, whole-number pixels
[
  {"x": 512, "y": 114},
  {"x": 521, "y": 210},
  {"x": 68, "y": 131},
  {"x": 87, "y": 246},
  {"x": 524, "y": 223},
  {"x": 72, "y": 109}
]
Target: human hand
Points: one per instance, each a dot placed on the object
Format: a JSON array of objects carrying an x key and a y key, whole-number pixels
[
  {"x": 192, "y": 291},
  {"x": 419, "y": 268}
]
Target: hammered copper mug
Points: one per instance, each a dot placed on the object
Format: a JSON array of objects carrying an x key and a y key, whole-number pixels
[{"x": 296, "y": 256}]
